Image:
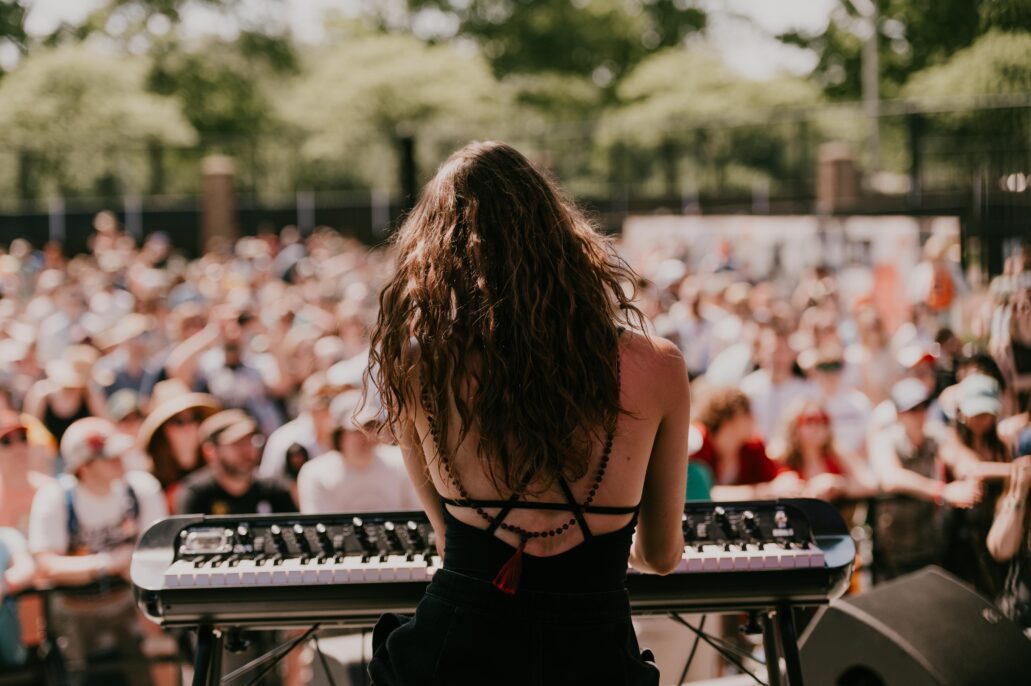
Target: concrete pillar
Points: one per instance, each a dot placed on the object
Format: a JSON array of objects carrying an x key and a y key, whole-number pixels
[
  {"x": 837, "y": 180},
  {"x": 218, "y": 208}
]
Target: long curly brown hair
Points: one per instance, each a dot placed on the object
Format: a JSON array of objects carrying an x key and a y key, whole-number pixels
[{"x": 514, "y": 299}]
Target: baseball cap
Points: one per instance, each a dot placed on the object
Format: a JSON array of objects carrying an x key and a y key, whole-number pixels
[
  {"x": 908, "y": 394},
  {"x": 913, "y": 354},
  {"x": 86, "y": 440},
  {"x": 979, "y": 394},
  {"x": 349, "y": 413},
  {"x": 227, "y": 426}
]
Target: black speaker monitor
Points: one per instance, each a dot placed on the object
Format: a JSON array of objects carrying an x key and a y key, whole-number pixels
[{"x": 923, "y": 629}]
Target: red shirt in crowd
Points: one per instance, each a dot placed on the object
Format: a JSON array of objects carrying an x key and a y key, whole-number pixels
[{"x": 755, "y": 467}]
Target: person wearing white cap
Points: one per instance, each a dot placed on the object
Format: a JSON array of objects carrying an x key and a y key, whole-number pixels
[
  {"x": 907, "y": 461},
  {"x": 360, "y": 474},
  {"x": 82, "y": 531},
  {"x": 1009, "y": 541},
  {"x": 977, "y": 451}
]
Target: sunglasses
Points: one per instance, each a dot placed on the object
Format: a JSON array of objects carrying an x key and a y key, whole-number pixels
[
  {"x": 830, "y": 366},
  {"x": 185, "y": 419},
  {"x": 15, "y": 437}
]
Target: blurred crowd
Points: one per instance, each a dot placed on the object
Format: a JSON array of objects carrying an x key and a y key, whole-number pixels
[{"x": 135, "y": 383}]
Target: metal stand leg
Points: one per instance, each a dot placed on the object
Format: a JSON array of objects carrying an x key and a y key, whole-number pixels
[
  {"x": 771, "y": 648},
  {"x": 789, "y": 645},
  {"x": 207, "y": 666}
]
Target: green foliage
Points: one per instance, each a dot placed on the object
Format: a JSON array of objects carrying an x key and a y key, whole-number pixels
[
  {"x": 998, "y": 63},
  {"x": 912, "y": 35},
  {"x": 217, "y": 88},
  {"x": 599, "y": 38},
  {"x": 686, "y": 111},
  {"x": 354, "y": 101},
  {"x": 12, "y": 24},
  {"x": 1007, "y": 15},
  {"x": 81, "y": 115}
]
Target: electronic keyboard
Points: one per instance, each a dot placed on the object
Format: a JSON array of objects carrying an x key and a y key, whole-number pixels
[{"x": 263, "y": 571}]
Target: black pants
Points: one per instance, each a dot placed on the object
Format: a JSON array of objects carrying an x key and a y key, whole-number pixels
[{"x": 465, "y": 631}]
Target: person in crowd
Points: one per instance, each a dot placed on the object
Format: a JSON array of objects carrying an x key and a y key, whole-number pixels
[
  {"x": 17, "y": 573},
  {"x": 19, "y": 483},
  {"x": 872, "y": 367},
  {"x": 774, "y": 386},
  {"x": 360, "y": 474},
  {"x": 63, "y": 396},
  {"x": 1010, "y": 342},
  {"x": 811, "y": 451},
  {"x": 231, "y": 443},
  {"x": 906, "y": 460},
  {"x": 976, "y": 451},
  {"x": 185, "y": 320},
  {"x": 218, "y": 360},
  {"x": 848, "y": 408},
  {"x": 169, "y": 434},
  {"x": 310, "y": 430},
  {"x": 1009, "y": 539},
  {"x": 736, "y": 456},
  {"x": 82, "y": 532},
  {"x": 124, "y": 366}
]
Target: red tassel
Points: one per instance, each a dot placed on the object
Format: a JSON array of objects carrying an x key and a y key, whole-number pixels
[{"x": 507, "y": 580}]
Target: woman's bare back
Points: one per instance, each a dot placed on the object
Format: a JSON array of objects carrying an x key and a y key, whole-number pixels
[{"x": 648, "y": 390}]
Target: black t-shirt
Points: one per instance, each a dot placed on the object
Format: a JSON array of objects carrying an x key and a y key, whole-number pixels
[{"x": 200, "y": 493}]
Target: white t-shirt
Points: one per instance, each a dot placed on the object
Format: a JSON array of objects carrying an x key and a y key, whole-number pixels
[
  {"x": 850, "y": 412},
  {"x": 769, "y": 401},
  {"x": 328, "y": 484},
  {"x": 102, "y": 520}
]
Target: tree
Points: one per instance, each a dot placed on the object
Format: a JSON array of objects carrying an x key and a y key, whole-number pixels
[
  {"x": 355, "y": 101},
  {"x": 912, "y": 34},
  {"x": 684, "y": 109},
  {"x": 79, "y": 118},
  {"x": 602, "y": 39},
  {"x": 12, "y": 25},
  {"x": 999, "y": 63}
]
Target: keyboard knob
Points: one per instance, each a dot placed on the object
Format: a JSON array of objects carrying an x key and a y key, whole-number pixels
[
  {"x": 751, "y": 525},
  {"x": 277, "y": 538},
  {"x": 302, "y": 540},
  {"x": 324, "y": 540}
]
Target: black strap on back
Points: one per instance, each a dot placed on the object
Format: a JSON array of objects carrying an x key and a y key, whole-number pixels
[
  {"x": 513, "y": 501},
  {"x": 578, "y": 510}
]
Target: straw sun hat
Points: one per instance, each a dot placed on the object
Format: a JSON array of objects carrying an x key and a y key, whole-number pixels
[{"x": 170, "y": 398}]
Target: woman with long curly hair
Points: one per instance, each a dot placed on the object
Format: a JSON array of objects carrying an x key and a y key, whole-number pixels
[{"x": 547, "y": 443}]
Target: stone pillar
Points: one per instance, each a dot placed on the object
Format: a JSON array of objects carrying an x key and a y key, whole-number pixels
[
  {"x": 837, "y": 180},
  {"x": 218, "y": 208}
]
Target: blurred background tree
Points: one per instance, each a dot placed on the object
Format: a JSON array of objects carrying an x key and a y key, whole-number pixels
[
  {"x": 601, "y": 39},
  {"x": 81, "y": 122}
]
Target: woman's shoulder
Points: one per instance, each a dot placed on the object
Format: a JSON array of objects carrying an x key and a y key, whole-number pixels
[
  {"x": 654, "y": 365},
  {"x": 652, "y": 354}
]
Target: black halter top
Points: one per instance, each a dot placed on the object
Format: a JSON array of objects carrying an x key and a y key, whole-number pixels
[{"x": 597, "y": 564}]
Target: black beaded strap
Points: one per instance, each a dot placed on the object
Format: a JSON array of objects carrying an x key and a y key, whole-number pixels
[{"x": 496, "y": 522}]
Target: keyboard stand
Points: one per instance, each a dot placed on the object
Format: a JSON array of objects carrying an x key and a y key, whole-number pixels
[
  {"x": 207, "y": 665},
  {"x": 780, "y": 643}
]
